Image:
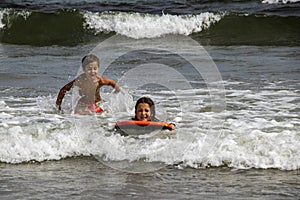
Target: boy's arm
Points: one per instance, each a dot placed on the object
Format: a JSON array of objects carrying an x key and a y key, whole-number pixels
[
  {"x": 62, "y": 93},
  {"x": 107, "y": 81}
]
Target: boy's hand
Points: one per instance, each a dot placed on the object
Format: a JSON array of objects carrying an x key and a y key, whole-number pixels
[
  {"x": 117, "y": 89},
  {"x": 60, "y": 111},
  {"x": 58, "y": 107}
]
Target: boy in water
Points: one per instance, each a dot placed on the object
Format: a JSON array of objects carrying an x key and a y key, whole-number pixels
[{"x": 89, "y": 84}]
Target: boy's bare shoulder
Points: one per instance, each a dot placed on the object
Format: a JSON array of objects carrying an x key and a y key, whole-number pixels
[
  {"x": 99, "y": 79},
  {"x": 81, "y": 76},
  {"x": 80, "y": 79},
  {"x": 103, "y": 80}
]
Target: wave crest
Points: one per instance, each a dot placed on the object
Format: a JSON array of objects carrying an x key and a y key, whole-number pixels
[{"x": 137, "y": 25}]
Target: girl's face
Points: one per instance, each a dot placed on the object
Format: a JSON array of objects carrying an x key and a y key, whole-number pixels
[
  {"x": 143, "y": 112},
  {"x": 91, "y": 70}
]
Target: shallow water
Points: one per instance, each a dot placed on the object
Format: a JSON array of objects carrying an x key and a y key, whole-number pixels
[{"x": 79, "y": 178}]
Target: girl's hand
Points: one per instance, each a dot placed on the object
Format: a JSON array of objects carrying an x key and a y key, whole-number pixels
[{"x": 172, "y": 126}]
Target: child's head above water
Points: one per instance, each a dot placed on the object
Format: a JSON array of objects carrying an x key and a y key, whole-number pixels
[
  {"x": 145, "y": 109},
  {"x": 90, "y": 66},
  {"x": 88, "y": 59}
]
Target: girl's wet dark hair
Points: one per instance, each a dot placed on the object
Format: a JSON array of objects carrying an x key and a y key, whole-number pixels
[
  {"x": 148, "y": 101},
  {"x": 89, "y": 59}
]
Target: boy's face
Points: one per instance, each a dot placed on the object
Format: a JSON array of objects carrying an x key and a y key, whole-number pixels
[
  {"x": 143, "y": 112},
  {"x": 91, "y": 70}
]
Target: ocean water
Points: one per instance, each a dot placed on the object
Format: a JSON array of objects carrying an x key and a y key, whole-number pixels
[{"x": 226, "y": 73}]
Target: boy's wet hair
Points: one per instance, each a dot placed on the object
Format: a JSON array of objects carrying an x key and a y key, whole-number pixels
[
  {"x": 148, "y": 101},
  {"x": 89, "y": 59}
]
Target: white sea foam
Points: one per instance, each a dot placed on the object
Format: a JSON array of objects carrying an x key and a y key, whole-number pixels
[
  {"x": 137, "y": 25},
  {"x": 280, "y": 1},
  {"x": 261, "y": 130},
  {"x": 2, "y": 13},
  {"x": 12, "y": 12}
]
